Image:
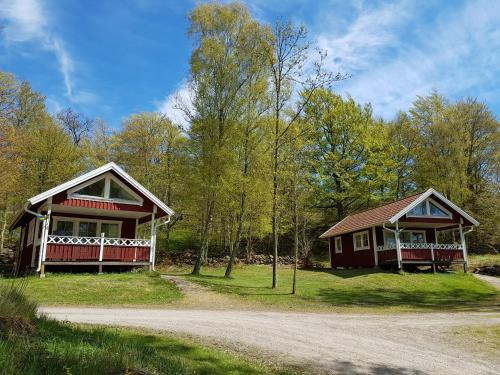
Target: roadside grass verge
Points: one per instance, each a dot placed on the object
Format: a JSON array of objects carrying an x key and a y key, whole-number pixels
[
  {"x": 50, "y": 347},
  {"x": 123, "y": 289},
  {"x": 480, "y": 260},
  {"x": 325, "y": 289},
  {"x": 482, "y": 339}
]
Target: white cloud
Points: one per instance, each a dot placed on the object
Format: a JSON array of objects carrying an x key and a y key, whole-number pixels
[
  {"x": 453, "y": 53},
  {"x": 181, "y": 97},
  {"x": 28, "y": 20},
  {"x": 366, "y": 38}
]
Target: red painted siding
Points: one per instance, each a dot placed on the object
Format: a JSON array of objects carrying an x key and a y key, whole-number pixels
[
  {"x": 91, "y": 252},
  {"x": 72, "y": 252},
  {"x": 126, "y": 253},
  {"x": 349, "y": 257},
  {"x": 387, "y": 256}
]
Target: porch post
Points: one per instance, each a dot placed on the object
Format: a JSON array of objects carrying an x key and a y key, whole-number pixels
[
  {"x": 375, "y": 253},
  {"x": 152, "y": 248},
  {"x": 45, "y": 237},
  {"x": 101, "y": 252},
  {"x": 464, "y": 247},
  {"x": 398, "y": 247},
  {"x": 330, "y": 251}
]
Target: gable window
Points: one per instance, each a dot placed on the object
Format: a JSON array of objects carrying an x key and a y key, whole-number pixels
[
  {"x": 361, "y": 241},
  {"x": 429, "y": 208},
  {"x": 93, "y": 190},
  {"x": 107, "y": 188},
  {"x": 338, "y": 245}
]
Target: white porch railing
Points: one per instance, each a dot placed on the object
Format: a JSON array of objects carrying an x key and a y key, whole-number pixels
[
  {"x": 73, "y": 240},
  {"x": 421, "y": 245}
]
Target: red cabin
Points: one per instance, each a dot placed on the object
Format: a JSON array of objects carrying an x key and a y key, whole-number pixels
[
  {"x": 423, "y": 229},
  {"x": 90, "y": 220}
]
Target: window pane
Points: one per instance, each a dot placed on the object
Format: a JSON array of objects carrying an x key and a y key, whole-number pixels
[
  {"x": 64, "y": 228},
  {"x": 110, "y": 230},
  {"x": 365, "y": 240},
  {"x": 117, "y": 192},
  {"x": 389, "y": 238},
  {"x": 420, "y": 210},
  {"x": 87, "y": 229},
  {"x": 405, "y": 237},
  {"x": 417, "y": 237},
  {"x": 95, "y": 190},
  {"x": 436, "y": 211}
]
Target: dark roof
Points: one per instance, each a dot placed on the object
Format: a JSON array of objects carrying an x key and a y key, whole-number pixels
[{"x": 370, "y": 217}]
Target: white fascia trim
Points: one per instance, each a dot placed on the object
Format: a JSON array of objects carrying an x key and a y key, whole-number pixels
[
  {"x": 426, "y": 195},
  {"x": 96, "y": 172},
  {"x": 332, "y": 235}
]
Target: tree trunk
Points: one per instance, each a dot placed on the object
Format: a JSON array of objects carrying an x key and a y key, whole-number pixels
[
  {"x": 205, "y": 234},
  {"x": 295, "y": 245}
]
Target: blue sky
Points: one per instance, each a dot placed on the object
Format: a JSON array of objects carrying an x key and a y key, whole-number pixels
[{"x": 110, "y": 59}]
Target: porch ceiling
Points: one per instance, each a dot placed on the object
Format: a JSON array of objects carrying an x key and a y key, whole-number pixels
[{"x": 424, "y": 225}]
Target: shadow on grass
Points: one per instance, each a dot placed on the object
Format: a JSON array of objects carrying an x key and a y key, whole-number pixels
[
  {"x": 459, "y": 299},
  {"x": 346, "y": 367},
  {"x": 348, "y": 274},
  {"x": 64, "y": 348}
]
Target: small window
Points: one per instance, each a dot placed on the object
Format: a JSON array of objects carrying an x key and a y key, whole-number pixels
[
  {"x": 64, "y": 228},
  {"x": 87, "y": 229},
  {"x": 389, "y": 238},
  {"x": 338, "y": 245},
  {"x": 361, "y": 241},
  {"x": 118, "y": 192},
  {"x": 93, "y": 190},
  {"x": 110, "y": 230},
  {"x": 31, "y": 234},
  {"x": 429, "y": 208},
  {"x": 412, "y": 236}
]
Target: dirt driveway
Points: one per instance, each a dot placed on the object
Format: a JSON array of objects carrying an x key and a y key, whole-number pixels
[{"x": 330, "y": 343}]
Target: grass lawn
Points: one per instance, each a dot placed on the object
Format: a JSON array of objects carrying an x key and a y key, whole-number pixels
[
  {"x": 30, "y": 345},
  {"x": 123, "y": 289},
  {"x": 362, "y": 289},
  {"x": 476, "y": 260}
]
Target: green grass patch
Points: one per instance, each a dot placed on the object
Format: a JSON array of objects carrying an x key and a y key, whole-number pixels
[
  {"x": 51, "y": 347},
  {"x": 480, "y": 260},
  {"x": 124, "y": 289},
  {"x": 372, "y": 289},
  {"x": 484, "y": 339}
]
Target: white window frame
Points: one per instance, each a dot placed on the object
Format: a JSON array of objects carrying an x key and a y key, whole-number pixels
[
  {"x": 361, "y": 234},
  {"x": 428, "y": 210},
  {"x": 72, "y": 193},
  {"x": 31, "y": 232},
  {"x": 76, "y": 224},
  {"x": 338, "y": 249}
]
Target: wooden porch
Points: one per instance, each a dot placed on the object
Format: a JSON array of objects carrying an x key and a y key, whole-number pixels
[
  {"x": 421, "y": 254},
  {"x": 97, "y": 251}
]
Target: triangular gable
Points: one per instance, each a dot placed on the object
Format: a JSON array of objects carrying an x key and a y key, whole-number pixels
[
  {"x": 110, "y": 167},
  {"x": 105, "y": 187},
  {"x": 425, "y": 196}
]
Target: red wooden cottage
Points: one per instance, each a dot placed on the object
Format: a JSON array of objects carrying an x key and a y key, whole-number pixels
[
  {"x": 90, "y": 220},
  {"x": 423, "y": 229}
]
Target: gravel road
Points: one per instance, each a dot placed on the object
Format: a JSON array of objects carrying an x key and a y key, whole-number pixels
[{"x": 328, "y": 343}]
